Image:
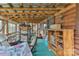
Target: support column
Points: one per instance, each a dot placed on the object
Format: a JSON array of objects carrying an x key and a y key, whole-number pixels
[
  {"x": 32, "y": 27},
  {"x": 3, "y": 29},
  {"x": 37, "y": 29},
  {"x": 7, "y": 27},
  {"x": 16, "y": 27}
]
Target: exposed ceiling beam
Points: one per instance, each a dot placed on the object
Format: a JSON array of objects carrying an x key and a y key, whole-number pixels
[
  {"x": 32, "y": 20},
  {"x": 11, "y": 6},
  {"x": 65, "y": 9},
  {"x": 42, "y": 9},
  {"x": 28, "y": 20},
  {"x": 24, "y": 16},
  {"x": 18, "y": 13}
]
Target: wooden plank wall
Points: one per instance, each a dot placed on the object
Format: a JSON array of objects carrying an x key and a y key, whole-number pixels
[
  {"x": 69, "y": 22},
  {"x": 69, "y": 18},
  {"x": 76, "y": 41}
]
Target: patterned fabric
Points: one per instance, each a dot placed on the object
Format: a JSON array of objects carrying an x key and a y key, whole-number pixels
[{"x": 17, "y": 50}]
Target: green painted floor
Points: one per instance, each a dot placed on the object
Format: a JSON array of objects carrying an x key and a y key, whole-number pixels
[{"x": 42, "y": 48}]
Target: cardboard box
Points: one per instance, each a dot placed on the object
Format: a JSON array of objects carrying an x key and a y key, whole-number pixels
[{"x": 55, "y": 26}]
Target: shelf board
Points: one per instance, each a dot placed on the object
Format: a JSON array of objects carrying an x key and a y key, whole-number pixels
[
  {"x": 60, "y": 35},
  {"x": 53, "y": 47},
  {"x": 60, "y": 42}
]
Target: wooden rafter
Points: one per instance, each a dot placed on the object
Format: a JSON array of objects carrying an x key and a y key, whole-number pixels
[
  {"x": 63, "y": 10},
  {"x": 33, "y": 20},
  {"x": 27, "y": 20},
  {"x": 18, "y": 13},
  {"x": 24, "y": 16},
  {"x": 39, "y": 14},
  {"x": 32, "y": 9}
]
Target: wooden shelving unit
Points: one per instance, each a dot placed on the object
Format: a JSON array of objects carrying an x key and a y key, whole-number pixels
[{"x": 61, "y": 41}]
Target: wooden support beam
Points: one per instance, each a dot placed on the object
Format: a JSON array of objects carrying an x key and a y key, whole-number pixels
[
  {"x": 16, "y": 27},
  {"x": 30, "y": 13},
  {"x": 27, "y": 17},
  {"x": 3, "y": 30},
  {"x": 65, "y": 9},
  {"x": 34, "y": 17},
  {"x": 23, "y": 20},
  {"x": 29, "y": 20},
  {"x": 7, "y": 27},
  {"x": 32, "y": 20},
  {"x": 30, "y": 9}
]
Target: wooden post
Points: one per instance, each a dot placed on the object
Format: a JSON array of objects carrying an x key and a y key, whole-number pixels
[
  {"x": 6, "y": 27},
  {"x": 49, "y": 39},
  {"x": 3, "y": 30},
  {"x": 37, "y": 29},
  {"x": 32, "y": 27},
  {"x": 16, "y": 27}
]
